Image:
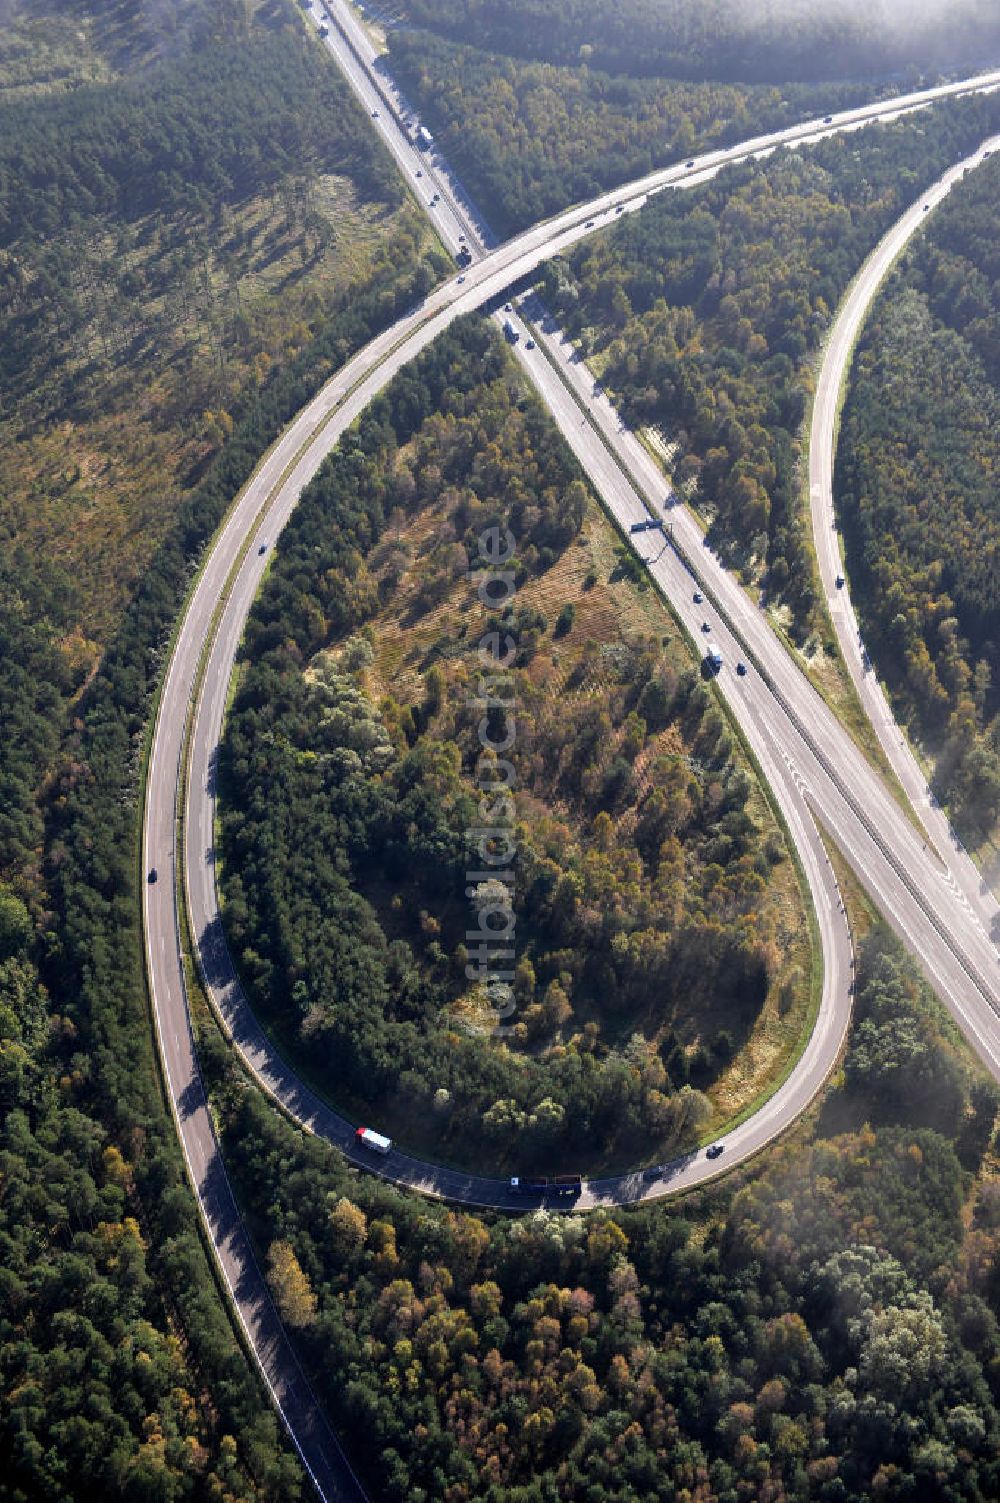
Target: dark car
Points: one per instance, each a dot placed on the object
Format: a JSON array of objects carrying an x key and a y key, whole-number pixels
[
  {"x": 153, "y": 874},
  {"x": 420, "y": 172},
  {"x": 698, "y": 597},
  {"x": 529, "y": 344},
  {"x": 689, "y": 164},
  {"x": 262, "y": 548},
  {"x": 589, "y": 225},
  {"x": 840, "y": 581},
  {"x": 741, "y": 669},
  {"x": 714, "y": 1151},
  {"x": 705, "y": 626},
  {"x": 827, "y": 119}
]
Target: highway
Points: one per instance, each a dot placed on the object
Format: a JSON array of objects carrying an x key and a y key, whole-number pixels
[
  {"x": 774, "y": 699},
  {"x": 960, "y": 868}
]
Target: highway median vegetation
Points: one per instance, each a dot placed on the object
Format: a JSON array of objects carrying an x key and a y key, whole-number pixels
[
  {"x": 702, "y": 316},
  {"x": 660, "y": 948},
  {"x": 916, "y": 490}
]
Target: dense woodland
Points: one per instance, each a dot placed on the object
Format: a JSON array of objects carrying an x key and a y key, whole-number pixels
[
  {"x": 702, "y": 315},
  {"x": 822, "y": 1326},
  {"x": 528, "y": 138},
  {"x": 95, "y": 1186},
  {"x": 111, "y": 1325},
  {"x": 725, "y": 39},
  {"x": 646, "y": 940},
  {"x": 830, "y": 1332},
  {"x": 120, "y": 1375},
  {"x": 918, "y": 494}
]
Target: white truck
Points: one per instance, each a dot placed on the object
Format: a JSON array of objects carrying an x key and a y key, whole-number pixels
[
  {"x": 424, "y": 138},
  {"x": 365, "y": 1137},
  {"x": 713, "y": 657}
]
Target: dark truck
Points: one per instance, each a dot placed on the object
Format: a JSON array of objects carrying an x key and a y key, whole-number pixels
[
  {"x": 543, "y": 1184},
  {"x": 509, "y": 332}
]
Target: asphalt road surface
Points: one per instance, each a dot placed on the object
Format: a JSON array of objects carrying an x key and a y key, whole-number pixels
[
  {"x": 959, "y": 958},
  {"x": 960, "y": 868}
]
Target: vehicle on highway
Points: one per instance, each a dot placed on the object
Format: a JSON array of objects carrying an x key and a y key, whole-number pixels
[
  {"x": 706, "y": 626},
  {"x": 827, "y": 119},
  {"x": 741, "y": 669},
  {"x": 543, "y": 1184},
  {"x": 153, "y": 874},
  {"x": 697, "y": 597},
  {"x": 713, "y": 658},
  {"x": 619, "y": 208},
  {"x": 926, "y": 207},
  {"x": 374, "y": 114},
  {"x": 529, "y": 344},
  {"x": 714, "y": 1151},
  {"x": 508, "y": 307},
  {"x": 509, "y": 332},
  {"x": 689, "y": 164},
  {"x": 589, "y": 225},
  {"x": 461, "y": 279},
  {"x": 424, "y": 139},
  {"x": 365, "y": 1137},
  {"x": 420, "y": 172},
  {"x": 840, "y": 581},
  {"x": 262, "y": 548}
]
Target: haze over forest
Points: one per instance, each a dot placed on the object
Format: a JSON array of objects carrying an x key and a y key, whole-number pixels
[{"x": 753, "y": 40}]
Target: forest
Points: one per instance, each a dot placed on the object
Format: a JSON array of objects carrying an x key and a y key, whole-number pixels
[
  {"x": 732, "y": 40},
  {"x": 650, "y": 937},
  {"x": 826, "y": 1328},
  {"x": 96, "y": 1192},
  {"x": 916, "y": 489},
  {"x": 702, "y": 316},
  {"x": 821, "y": 1326},
  {"x": 120, "y": 1373},
  {"x": 175, "y": 233},
  {"x": 528, "y": 138}
]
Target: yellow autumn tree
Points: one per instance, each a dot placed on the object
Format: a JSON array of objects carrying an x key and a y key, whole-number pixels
[{"x": 293, "y": 1294}]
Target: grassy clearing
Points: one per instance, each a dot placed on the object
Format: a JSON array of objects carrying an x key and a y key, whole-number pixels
[{"x": 93, "y": 481}]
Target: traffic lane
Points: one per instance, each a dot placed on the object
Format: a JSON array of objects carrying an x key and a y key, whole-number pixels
[
  {"x": 890, "y": 890},
  {"x": 265, "y": 1334},
  {"x": 717, "y": 580},
  {"x": 849, "y": 321},
  {"x": 251, "y": 1040},
  {"x": 453, "y": 219}
]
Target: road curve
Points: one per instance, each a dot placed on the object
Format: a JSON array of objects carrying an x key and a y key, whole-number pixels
[
  {"x": 299, "y": 452},
  {"x": 834, "y": 371},
  {"x": 907, "y": 883},
  {"x": 219, "y": 975}
]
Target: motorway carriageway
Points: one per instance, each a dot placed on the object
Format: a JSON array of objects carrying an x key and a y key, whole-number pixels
[{"x": 263, "y": 505}]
